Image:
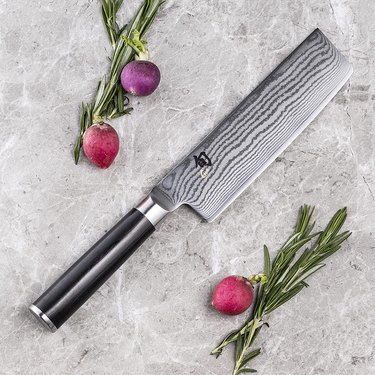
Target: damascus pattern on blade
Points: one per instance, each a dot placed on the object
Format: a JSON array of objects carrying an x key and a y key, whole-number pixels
[{"x": 241, "y": 147}]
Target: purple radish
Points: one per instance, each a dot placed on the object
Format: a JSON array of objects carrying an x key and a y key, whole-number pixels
[{"x": 140, "y": 77}]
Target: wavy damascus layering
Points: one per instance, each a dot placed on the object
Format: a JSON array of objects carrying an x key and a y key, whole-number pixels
[
  {"x": 242, "y": 146},
  {"x": 215, "y": 172}
]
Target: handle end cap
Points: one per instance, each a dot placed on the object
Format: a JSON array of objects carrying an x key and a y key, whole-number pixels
[{"x": 42, "y": 318}]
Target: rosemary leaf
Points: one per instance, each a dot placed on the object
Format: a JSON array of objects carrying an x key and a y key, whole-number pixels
[
  {"x": 78, "y": 143},
  {"x": 125, "y": 112},
  {"x": 250, "y": 356},
  {"x": 284, "y": 297},
  {"x": 239, "y": 347},
  {"x": 100, "y": 91},
  {"x": 120, "y": 98},
  {"x": 267, "y": 261}
]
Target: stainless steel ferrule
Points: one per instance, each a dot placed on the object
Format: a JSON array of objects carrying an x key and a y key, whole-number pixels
[{"x": 153, "y": 212}]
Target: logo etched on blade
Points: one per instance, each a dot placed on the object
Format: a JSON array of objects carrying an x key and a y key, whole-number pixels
[{"x": 202, "y": 160}]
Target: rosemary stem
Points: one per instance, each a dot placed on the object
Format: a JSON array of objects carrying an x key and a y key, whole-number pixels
[{"x": 247, "y": 344}]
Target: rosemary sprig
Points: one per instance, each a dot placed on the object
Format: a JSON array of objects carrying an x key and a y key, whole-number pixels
[
  {"x": 286, "y": 278},
  {"x": 110, "y": 101}
]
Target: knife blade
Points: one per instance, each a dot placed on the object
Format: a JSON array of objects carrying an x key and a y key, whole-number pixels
[
  {"x": 215, "y": 172},
  {"x": 243, "y": 145}
]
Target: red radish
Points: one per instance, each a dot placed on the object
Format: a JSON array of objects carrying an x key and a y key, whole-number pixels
[
  {"x": 140, "y": 77},
  {"x": 101, "y": 144},
  {"x": 233, "y": 295}
]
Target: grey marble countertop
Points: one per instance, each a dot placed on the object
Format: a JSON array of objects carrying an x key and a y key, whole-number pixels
[{"x": 153, "y": 317}]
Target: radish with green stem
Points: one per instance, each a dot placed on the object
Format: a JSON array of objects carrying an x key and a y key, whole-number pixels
[{"x": 140, "y": 77}]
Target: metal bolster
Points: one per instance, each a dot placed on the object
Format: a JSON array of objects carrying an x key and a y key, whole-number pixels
[{"x": 153, "y": 212}]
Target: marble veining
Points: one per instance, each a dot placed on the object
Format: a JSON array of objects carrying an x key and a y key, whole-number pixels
[{"x": 153, "y": 317}]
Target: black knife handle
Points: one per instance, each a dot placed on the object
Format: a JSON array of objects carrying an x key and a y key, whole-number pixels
[{"x": 91, "y": 271}]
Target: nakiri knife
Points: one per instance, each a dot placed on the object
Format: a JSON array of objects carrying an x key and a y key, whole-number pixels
[{"x": 226, "y": 161}]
